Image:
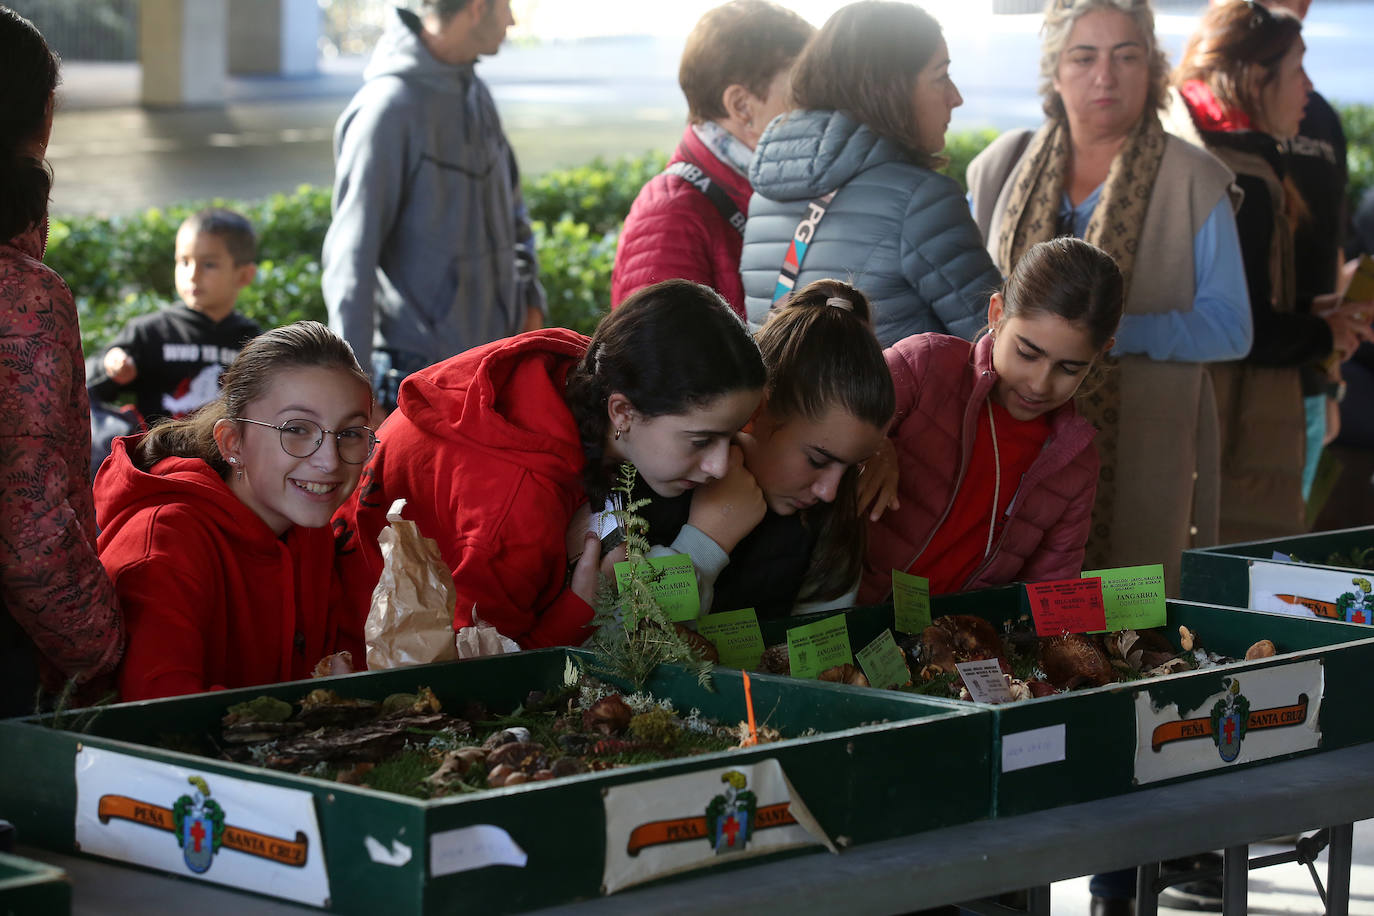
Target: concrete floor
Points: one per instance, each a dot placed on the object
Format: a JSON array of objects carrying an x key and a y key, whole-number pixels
[{"x": 1281, "y": 890}]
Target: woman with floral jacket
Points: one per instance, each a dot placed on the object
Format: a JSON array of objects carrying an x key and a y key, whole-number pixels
[{"x": 59, "y": 620}]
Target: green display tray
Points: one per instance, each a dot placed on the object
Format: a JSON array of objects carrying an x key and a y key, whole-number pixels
[
  {"x": 867, "y": 777},
  {"x": 33, "y": 887},
  {"x": 1099, "y": 724},
  {"x": 1240, "y": 575}
]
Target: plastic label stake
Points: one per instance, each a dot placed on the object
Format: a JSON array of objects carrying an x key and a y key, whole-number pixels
[{"x": 910, "y": 602}]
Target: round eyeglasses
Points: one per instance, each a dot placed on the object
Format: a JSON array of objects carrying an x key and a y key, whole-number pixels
[{"x": 303, "y": 438}]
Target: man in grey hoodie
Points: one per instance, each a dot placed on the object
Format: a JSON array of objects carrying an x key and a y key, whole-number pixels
[{"x": 430, "y": 251}]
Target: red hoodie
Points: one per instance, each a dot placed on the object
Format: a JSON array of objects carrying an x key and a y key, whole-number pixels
[
  {"x": 212, "y": 597},
  {"x": 486, "y": 453}
]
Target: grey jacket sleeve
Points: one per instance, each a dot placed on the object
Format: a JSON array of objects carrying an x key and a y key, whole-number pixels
[
  {"x": 707, "y": 557},
  {"x": 371, "y": 152},
  {"x": 529, "y": 291},
  {"x": 943, "y": 258}
]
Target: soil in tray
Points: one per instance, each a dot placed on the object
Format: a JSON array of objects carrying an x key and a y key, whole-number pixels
[{"x": 409, "y": 744}]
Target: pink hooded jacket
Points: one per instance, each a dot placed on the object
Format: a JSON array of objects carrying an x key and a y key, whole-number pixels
[{"x": 941, "y": 384}]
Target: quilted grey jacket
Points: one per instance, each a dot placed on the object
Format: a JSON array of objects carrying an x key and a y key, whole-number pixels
[{"x": 897, "y": 231}]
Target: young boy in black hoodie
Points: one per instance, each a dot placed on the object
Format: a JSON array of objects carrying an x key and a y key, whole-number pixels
[{"x": 172, "y": 359}]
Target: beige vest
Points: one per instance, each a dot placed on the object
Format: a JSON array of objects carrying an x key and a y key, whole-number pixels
[
  {"x": 1262, "y": 419},
  {"x": 1167, "y": 477}
]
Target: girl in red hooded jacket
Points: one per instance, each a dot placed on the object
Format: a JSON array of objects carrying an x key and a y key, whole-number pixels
[
  {"x": 216, "y": 527},
  {"x": 997, "y": 471},
  {"x": 499, "y": 451}
]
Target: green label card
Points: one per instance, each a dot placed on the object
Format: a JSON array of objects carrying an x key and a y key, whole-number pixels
[
  {"x": 673, "y": 581},
  {"x": 1133, "y": 597},
  {"x": 910, "y": 602},
  {"x": 736, "y": 636},
  {"x": 883, "y": 662},
  {"x": 817, "y": 646}
]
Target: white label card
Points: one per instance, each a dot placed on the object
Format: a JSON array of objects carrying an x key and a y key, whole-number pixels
[
  {"x": 1033, "y": 748},
  {"x": 697, "y": 820},
  {"x": 201, "y": 825},
  {"x": 1309, "y": 591},
  {"x": 473, "y": 847},
  {"x": 985, "y": 681}
]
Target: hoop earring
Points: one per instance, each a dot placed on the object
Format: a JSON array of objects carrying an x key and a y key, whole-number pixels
[{"x": 618, "y": 431}]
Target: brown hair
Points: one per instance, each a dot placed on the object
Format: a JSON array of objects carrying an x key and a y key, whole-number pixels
[
  {"x": 669, "y": 348},
  {"x": 445, "y": 9},
  {"x": 1060, "y": 18},
  {"x": 864, "y": 62},
  {"x": 1234, "y": 43},
  {"x": 820, "y": 352},
  {"x": 229, "y": 226},
  {"x": 744, "y": 42},
  {"x": 28, "y": 76},
  {"x": 1070, "y": 278},
  {"x": 305, "y": 344}
]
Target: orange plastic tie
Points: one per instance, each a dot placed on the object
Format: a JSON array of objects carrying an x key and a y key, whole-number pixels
[{"x": 749, "y": 708}]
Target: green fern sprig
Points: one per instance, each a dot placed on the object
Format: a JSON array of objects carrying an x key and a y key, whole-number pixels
[{"x": 634, "y": 636}]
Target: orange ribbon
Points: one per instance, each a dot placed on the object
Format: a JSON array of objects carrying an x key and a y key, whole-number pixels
[
  {"x": 678, "y": 830},
  {"x": 265, "y": 846},
  {"x": 1187, "y": 729}
]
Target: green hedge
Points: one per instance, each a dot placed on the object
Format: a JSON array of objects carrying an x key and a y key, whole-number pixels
[{"x": 122, "y": 267}]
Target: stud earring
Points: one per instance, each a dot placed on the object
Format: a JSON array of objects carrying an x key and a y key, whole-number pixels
[{"x": 238, "y": 471}]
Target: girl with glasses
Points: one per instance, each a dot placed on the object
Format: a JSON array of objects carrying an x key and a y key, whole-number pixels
[{"x": 216, "y": 527}]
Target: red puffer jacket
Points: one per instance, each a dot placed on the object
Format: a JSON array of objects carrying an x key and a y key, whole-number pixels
[
  {"x": 941, "y": 384},
  {"x": 674, "y": 230}
]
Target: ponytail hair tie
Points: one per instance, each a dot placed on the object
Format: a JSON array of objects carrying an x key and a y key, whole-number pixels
[{"x": 840, "y": 303}]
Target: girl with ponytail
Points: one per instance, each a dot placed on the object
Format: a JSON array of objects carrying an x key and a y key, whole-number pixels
[
  {"x": 826, "y": 409},
  {"x": 58, "y": 617},
  {"x": 998, "y": 472}
]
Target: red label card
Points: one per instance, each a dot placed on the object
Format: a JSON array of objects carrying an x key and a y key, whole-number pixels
[{"x": 1067, "y": 606}]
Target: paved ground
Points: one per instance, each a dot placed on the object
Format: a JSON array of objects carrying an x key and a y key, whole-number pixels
[{"x": 1281, "y": 890}]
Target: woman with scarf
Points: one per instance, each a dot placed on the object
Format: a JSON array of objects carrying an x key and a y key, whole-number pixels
[
  {"x": 1241, "y": 92},
  {"x": 1102, "y": 168}
]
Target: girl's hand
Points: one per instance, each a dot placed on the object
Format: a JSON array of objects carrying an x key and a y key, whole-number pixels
[
  {"x": 727, "y": 509},
  {"x": 878, "y": 478},
  {"x": 586, "y": 574},
  {"x": 119, "y": 366},
  {"x": 578, "y": 526}
]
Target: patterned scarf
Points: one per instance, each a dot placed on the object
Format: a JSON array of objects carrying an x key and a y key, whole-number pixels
[
  {"x": 728, "y": 148},
  {"x": 1032, "y": 216}
]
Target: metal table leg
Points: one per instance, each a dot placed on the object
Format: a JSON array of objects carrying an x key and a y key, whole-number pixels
[
  {"x": 1235, "y": 876},
  {"x": 1338, "y": 870},
  {"x": 1146, "y": 897}
]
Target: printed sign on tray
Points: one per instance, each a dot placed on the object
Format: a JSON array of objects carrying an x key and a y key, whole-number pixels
[
  {"x": 200, "y": 824},
  {"x": 1256, "y": 714},
  {"x": 697, "y": 820}
]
